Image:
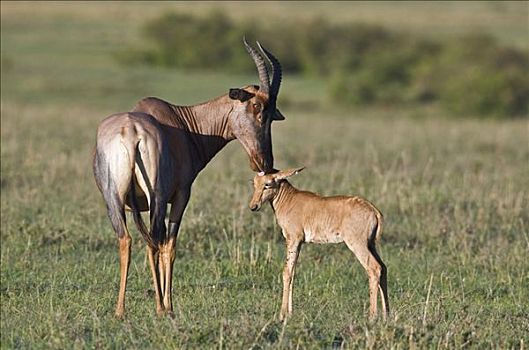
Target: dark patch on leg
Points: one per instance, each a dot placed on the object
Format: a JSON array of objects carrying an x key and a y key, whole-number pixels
[
  {"x": 158, "y": 211},
  {"x": 173, "y": 229}
]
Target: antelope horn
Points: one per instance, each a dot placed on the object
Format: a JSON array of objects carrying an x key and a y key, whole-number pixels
[
  {"x": 276, "y": 73},
  {"x": 264, "y": 79}
]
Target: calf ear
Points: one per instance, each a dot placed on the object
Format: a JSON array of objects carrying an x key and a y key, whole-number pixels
[
  {"x": 240, "y": 94},
  {"x": 278, "y": 115},
  {"x": 287, "y": 173}
]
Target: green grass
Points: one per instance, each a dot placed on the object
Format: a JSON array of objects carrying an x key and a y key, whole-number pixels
[{"x": 453, "y": 192}]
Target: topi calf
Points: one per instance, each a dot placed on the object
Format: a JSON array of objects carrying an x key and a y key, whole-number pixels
[{"x": 307, "y": 217}]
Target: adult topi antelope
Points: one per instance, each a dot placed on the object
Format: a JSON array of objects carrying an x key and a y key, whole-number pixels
[
  {"x": 150, "y": 157},
  {"x": 307, "y": 217}
]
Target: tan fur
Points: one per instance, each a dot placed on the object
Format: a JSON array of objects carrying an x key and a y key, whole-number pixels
[{"x": 307, "y": 217}]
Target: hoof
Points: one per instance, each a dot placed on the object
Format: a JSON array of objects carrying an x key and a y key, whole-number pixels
[
  {"x": 284, "y": 315},
  {"x": 372, "y": 318}
]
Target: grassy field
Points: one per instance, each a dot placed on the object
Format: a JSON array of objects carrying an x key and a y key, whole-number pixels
[{"x": 454, "y": 194}]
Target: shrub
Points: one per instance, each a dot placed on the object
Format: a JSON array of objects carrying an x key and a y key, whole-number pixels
[
  {"x": 470, "y": 76},
  {"x": 185, "y": 41},
  {"x": 473, "y": 75},
  {"x": 387, "y": 75}
]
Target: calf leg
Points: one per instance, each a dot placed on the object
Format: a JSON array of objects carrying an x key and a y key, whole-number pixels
[
  {"x": 293, "y": 248},
  {"x": 374, "y": 271},
  {"x": 383, "y": 280}
]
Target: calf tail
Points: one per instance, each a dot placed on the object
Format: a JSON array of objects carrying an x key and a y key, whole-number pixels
[{"x": 378, "y": 229}]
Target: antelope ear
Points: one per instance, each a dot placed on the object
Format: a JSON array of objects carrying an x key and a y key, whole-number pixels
[
  {"x": 278, "y": 115},
  {"x": 287, "y": 173},
  {"x": 240, "y": 94}
]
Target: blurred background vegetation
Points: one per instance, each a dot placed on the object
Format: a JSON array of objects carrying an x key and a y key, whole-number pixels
[
  {"x": 359, "y": 63},
  {"x": 420, "y": 109}
]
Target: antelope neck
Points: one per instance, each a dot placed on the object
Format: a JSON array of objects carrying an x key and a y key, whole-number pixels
[{"x": 207, "y": 127}]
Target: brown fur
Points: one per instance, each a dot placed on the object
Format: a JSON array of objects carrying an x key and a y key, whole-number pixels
[{"x": 147, "y": 159}]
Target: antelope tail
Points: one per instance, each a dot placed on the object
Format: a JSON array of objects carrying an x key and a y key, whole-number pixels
[{"x": 138, "y": 219}]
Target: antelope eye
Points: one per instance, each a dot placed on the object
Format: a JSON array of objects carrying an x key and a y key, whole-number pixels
[{"x": 268, "y": 185}]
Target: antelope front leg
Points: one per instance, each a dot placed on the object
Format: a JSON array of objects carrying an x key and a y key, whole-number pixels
[
  {"x": 124, "y": 262},
  {"x": 288, "y": 278},
  {"x": 153, "y": 263}
]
